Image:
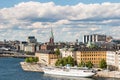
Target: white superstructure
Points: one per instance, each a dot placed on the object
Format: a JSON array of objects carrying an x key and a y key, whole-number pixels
[{"x": 69, "y": 72}]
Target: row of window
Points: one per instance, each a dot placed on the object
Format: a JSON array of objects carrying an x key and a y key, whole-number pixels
[
  {"x": 94, "y": 55},
  {"x": 94, "y": 62},
  {"x": 93, "y": 52},
  {"x": 89, "y": 58}
]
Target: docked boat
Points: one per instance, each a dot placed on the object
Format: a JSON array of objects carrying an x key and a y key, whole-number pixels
[{"x": 73, "y": 72}]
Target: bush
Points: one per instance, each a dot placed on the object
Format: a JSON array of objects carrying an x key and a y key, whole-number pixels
[{"x": 31, "y": 59}]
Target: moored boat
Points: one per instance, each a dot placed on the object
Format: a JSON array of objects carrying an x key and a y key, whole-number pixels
[{"x": 73, "y": 72}]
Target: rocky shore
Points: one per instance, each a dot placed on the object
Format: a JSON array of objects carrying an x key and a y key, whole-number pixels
[
  {"x": 108, "y": 74},
  {"x": 31, "y": 67}
]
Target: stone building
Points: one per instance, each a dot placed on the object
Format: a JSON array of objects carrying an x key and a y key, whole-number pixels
[
  {"x": 95, "y": 56},
  {"x": 47, "y": 57}
]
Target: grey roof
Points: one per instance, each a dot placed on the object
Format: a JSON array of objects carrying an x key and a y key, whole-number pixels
[{"x": 46, "y": 51}]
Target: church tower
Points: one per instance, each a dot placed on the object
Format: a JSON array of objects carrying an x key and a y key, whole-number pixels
[{"x": 51, "y": 41}]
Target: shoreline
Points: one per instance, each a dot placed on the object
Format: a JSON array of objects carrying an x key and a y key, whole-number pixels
[
  {"x": 37, "y": 68},
  {"x": 108, "y": 74},
  {"x": 30, "y": 67}
]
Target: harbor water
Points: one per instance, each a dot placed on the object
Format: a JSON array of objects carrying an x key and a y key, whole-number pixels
[{"x": 10, "y": 69}]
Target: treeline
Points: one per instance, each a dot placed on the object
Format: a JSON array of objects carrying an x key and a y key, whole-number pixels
[
  {"x": 64, "y": 61},
  {"x": 69, "y": 60}
]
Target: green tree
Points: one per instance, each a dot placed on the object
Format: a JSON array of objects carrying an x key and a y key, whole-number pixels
[
  {"x": 57, "y": 52},
  {"x": 27, "y": 60},
  {"x": 82, "y": 64},
  {"x": 32, "y": 59},
  {"x": 89, "y": 64},
  {"x": 59, "y": 62},
  {"x": 103, "y": 64},
  {"x": 64, "y": 61},
  {"x": 70, "y": 61},
  {"x": 35, "y": 59}
]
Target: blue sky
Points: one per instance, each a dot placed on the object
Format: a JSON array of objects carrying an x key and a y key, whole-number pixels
[
  {"x": 70, "y": 19},
  {"x": 10, "y": 3}
]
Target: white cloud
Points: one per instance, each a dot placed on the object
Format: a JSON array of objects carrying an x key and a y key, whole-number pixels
[{"x": 35, "y": 18}]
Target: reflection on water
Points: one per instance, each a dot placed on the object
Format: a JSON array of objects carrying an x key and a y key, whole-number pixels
[
  {"x": 10, "y": 69},
  {"x": 56, "y": 77}
]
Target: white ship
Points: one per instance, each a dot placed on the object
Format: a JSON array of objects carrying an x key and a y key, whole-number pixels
[{"x": 73, "y": 72}]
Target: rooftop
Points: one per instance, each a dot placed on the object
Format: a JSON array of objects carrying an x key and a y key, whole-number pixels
[{"x": 46, "y": 51}]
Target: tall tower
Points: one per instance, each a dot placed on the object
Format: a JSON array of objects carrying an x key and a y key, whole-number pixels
[{"x": 51, "y": 41}]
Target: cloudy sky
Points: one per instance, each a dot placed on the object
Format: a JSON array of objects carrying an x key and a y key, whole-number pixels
[{"x": 70, "y": 19}]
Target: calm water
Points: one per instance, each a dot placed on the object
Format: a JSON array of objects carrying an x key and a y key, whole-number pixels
[{"x": 10, "y": 70}]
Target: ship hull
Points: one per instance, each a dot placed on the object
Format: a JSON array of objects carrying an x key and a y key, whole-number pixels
[{"x": 70, "y": 72}]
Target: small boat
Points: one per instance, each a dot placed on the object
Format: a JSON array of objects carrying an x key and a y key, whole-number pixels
[{"x": 72, "y": 72}]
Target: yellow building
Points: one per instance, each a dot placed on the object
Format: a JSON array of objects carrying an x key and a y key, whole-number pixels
[
  {"x": 95, "y": 56},
  {"x": 47, "y": 57}
]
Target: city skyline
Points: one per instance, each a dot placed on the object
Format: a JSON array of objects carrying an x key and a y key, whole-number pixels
[{"x": 70, "y": 20}]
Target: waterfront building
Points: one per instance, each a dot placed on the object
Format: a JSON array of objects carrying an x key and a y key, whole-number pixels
[
  {"x": 47, "y": 47},
  {"x": 118, "y": 46},
  {"x": 113, "y": 60},
  {"x": 38, "y": 47},
  {"x": 31, "y": 47},
  {"x": 65, "y": 52},
  {"x": 93, "y": 38},
  {"x": 47, "y": 57},
  {"x": 117, "y": 42},
  {"x": 22, "y": 45},
  {"x": 93, "y": 55},
  {"x": 31, "y": 39}
]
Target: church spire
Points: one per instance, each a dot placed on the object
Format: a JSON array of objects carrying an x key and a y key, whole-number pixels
[{"x": 51, "y": 37}]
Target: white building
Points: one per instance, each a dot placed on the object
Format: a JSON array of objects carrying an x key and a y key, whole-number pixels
[
  {"x": 118, "y": 53},
  {"x": 93, "y": 38},
  {"x": 22, "y": 45},
  {"x": 113, "y": 59},
  {"x": 110, "y": 57},
  {"x": 30, "y": 48},
  {"x": 65, "y": 52}
]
